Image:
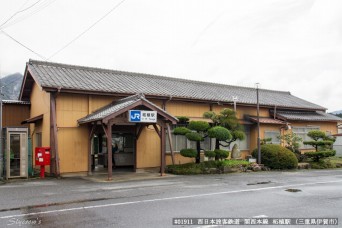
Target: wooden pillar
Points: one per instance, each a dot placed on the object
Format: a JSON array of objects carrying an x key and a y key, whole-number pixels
[
  {"x": 170, "y": 140},
  {"x": 109, "y": 150},
  {"x": 89, "y": 155},
  {"x": 54, "y": 167},
  {"x": 162, "y": 149},
  {"x": 91, "y": 134}
]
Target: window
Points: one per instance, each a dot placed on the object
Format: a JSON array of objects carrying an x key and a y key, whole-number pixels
[
  {"x": 243, "y": 144},
  {"x": 181, "y": 142},
  {"x": 178, "y": 142},
  {"x": 273, "y": 135},
  {"x": 39, "y": 139},
  {"x": 205, "y": 145},
  {"x": 303, "y": 133}
]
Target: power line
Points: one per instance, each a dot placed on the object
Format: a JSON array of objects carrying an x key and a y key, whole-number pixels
[
  {"x": 39, "y": 7},
  {"x": 23, "y": 45},
  {"x": 20, "y": 11},
  {"x": 86, "y": 30}
]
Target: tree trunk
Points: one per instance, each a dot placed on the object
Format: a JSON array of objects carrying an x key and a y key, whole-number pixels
[
  {"x": 217, "y": 146},
  {"x": 198, "y": 157}
]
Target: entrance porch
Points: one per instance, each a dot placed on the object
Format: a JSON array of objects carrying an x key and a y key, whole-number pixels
[{"x": 113, "y": 139}]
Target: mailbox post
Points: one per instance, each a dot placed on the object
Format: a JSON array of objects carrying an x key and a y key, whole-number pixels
[{"x": 42, "y": 155}]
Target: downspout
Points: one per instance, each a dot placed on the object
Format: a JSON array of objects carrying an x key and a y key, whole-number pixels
[
  {"x": 168, "y": 133},
  {"x": 165, "y": 101}
]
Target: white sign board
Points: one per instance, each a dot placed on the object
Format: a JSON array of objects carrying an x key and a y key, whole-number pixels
[{"x": 140, "y": 116}]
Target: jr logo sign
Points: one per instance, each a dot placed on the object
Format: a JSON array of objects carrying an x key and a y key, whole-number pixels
[
  {"x": 134, "y": 116},
  {"x": 142, "y": 116}
]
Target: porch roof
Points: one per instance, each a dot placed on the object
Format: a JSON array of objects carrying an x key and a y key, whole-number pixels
[
  {"x": 123, "y": 105},
  {"x": 265, "y": 120},
  {"x": 306, "y": 116},
  {"x": 33, "y": 119}
]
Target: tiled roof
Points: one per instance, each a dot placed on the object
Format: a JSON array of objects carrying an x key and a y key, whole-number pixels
[
  {"x": 117, "y": 106},
  {"x": 264, "y": 120},
  {"x": 307, "y": 116},
  {"x": 15, "y": 102},
  {"x": 95, "y": 80}
]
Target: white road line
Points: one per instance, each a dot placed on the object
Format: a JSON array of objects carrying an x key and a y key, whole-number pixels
[{"x": 164, "y": 199}]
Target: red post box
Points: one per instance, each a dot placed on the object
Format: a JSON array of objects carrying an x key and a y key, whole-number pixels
[{"x": 42, "y": 155}]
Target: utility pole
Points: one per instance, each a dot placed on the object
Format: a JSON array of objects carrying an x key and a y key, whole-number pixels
[
  {"x": 258, "y": 119},
  {"x": 1, "y": 137}
]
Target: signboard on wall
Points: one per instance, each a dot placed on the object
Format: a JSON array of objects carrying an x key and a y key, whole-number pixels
[{"x": 141, "y": 116}]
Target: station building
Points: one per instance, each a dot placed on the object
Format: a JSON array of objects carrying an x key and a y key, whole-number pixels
[{"x": 82, "y": 113}]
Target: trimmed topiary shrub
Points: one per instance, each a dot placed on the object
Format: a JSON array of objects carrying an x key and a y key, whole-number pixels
[
  {"x": 198, "y": 125},
  {"x": 277, "y": 157},
  {"x": 181, "y": 131},
  {"x": 320, "y": 154},
  {"x": 190, "y": 153},
  {"x": 209, "y": 154},
  {"x": 321, "y": 141},
  {"x": 221, "y": 154},
  {"x": 219, "y": 133},
  {"x": 195, "y": 132},
  {"x": 182, "y": 119},
  {"x": 217, "y": 154},
  {"x": 194, "y": 136}
]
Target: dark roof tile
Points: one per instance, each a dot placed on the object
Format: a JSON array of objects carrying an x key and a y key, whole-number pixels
[
  {"x": 306, "y": 116},
  {"x": 54, "y": 75}
]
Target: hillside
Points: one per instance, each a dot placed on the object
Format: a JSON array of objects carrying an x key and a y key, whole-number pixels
[
  {"x": 12, "y": 84},
  {"x": 337, "y": 112}
]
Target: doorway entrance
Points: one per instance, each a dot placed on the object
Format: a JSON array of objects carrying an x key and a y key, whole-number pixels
[{"x": 123, "y": 151}]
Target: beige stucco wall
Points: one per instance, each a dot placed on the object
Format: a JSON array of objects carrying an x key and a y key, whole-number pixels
[
  {"x": 186, "y": 109},
  {"x": 41, "y": 105},
  {"x": 97, "y": 102},
  {"x": 73, "y": 139},
  {"x": 324, "y": 126},
  {"x": 148, "y": 149},
  {"x": 178, "y": 158}
]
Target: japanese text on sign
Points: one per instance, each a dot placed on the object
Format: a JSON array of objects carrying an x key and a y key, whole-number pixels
[{"x": 141, "y": 116}]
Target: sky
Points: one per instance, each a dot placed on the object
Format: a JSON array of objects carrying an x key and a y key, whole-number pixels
[{"x": 285, "y": 45}]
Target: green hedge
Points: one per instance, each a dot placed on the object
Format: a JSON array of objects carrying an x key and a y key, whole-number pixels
[
  {"x": 277, "y": 157},
  {"x": 202, "y": 168}
]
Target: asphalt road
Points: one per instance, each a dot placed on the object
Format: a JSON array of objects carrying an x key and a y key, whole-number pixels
[{"x": 256, "y": 197}]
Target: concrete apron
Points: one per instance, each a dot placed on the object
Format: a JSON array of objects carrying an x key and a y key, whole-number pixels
[{"x": 121, "y": 175}]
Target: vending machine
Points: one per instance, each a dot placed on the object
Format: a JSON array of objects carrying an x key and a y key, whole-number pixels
[{"x": 16, "y": 152}]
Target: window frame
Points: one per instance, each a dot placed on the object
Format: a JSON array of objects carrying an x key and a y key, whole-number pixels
[
  {"x": 306, "y": 137},
  {"x": 277, "y": 133},
  {"x": 177, "y": 138}
]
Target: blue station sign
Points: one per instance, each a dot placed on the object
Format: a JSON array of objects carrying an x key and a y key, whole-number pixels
[{"x": 141, "y": 116}]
